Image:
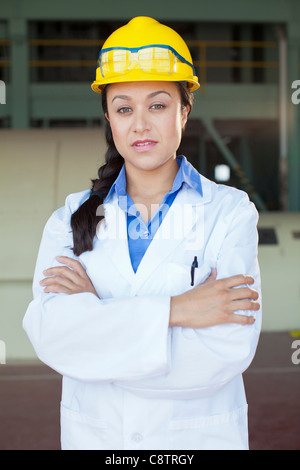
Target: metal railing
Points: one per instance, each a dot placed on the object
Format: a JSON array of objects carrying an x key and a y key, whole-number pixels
[
  {"x": 203, "y": 64},
  {"x": 200, "y": 47}
]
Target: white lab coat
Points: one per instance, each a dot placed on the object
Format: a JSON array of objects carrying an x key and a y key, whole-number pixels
[{"x": 130, "y": 381}]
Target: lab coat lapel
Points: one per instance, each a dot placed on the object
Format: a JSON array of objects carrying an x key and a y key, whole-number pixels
[
  {"x": 113, "y": 237},
  {"x": 185, "y": 212}
]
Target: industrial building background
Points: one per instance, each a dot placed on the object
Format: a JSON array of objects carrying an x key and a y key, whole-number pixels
[{"x": 244, "y": 131}]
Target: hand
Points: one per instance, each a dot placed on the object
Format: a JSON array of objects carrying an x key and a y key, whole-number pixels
[
  {"x": 68, "y": 279},
  {"x": 214, "y": 303}
]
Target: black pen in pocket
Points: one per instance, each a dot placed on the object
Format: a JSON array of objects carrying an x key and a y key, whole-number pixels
[{"x": 194, "y": 265}]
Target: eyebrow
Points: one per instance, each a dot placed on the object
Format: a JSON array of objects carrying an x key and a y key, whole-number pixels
[{"x": 151, "y": 95}]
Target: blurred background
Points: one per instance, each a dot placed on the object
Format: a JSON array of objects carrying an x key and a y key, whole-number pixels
[{"x": 244, "y": 131}]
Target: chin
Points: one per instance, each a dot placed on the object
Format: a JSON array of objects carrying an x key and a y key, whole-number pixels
[{"x": 149, "y": 160}]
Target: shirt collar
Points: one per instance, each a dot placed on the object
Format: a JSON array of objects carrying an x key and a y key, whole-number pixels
[{"x": 186, "y": 174}]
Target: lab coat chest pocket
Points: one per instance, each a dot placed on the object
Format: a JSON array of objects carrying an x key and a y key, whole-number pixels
[
  {"x": 179, "y": 281},
  {"x": 228, "y": 431},
  {"x": 179, "y": 276}
]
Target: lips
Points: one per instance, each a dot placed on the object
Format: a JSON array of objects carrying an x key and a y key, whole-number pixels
[{"x": 144, "y": 144}]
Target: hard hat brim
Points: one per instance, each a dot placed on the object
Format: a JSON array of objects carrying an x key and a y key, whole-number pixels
[{"x": 192, "y": 82}]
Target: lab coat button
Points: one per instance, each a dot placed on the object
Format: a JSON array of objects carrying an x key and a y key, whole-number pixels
[
  {"x": 146, "y": 234},
  {"x": 137, "y": 437}
]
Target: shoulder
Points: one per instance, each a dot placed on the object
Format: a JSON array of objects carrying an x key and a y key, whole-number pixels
[
  {"x": 227, "y": 200},
  {"x": 61, "y": 218},
  {"x": 74, "y": 200},
  {"x": 222, "y": 194}
]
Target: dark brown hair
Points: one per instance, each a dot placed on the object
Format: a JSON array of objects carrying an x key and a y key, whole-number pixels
[{"x": 85, "y": 220}]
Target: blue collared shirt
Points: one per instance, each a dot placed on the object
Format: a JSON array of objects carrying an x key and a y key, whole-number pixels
[{"x": 139, "y": 233}]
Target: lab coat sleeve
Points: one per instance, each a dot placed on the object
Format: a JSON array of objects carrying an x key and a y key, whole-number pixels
[
  {"x": 89, "y": 339},
  {"x": 205, "y": 360}
]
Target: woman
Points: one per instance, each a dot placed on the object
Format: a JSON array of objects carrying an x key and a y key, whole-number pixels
[{"x": 144, "y": 303}]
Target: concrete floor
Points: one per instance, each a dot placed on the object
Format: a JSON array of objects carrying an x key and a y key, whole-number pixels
[{"x": 30, "y": 396}]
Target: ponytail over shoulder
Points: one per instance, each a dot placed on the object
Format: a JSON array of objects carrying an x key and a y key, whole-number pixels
[{"x": 85, "y": 220}]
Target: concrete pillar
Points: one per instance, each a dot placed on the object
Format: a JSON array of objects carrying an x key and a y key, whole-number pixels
[
  {"x": 293, "y": 118},
  {"x": 19, "y": 68}
]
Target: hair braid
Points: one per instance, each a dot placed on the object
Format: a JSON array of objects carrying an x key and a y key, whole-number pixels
[{"x": 85, "y": 220}]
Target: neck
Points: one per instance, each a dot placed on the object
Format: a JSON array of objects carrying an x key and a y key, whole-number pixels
[{"x": 150, "y": 184}]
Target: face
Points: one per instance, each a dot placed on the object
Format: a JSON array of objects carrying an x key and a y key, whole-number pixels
[{"x": 146, "y": 120}]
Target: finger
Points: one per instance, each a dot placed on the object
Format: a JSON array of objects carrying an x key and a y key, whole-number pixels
[
  {"x": 74, "y": 264},
  {"x": 243, "y": 293},
  {"x": 57, "y": 289},
  {"x": 246, "y": 304},
  {"x": 57, "y": 281},
  {"x": 60, "y": 284},
  {"x": 238, "y": 280},
  {"x": 63, "y": 271},
  {"x": 240, "y": 319}
]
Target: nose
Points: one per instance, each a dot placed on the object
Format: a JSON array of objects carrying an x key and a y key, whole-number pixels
[{"x": 141, "y": 122}]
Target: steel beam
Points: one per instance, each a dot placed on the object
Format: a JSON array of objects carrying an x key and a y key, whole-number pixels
[{"x": 232, "y": 162}]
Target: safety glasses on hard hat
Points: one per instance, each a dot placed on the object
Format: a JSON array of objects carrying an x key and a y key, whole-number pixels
[{"x": 153, "y": 59}]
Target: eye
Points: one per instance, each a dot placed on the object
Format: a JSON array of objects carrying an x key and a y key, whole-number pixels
[
  {"x": 124, "y": 110},
  {"x": 158, "y": 106}
]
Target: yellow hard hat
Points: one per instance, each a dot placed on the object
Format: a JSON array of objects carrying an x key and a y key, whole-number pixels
[{"x": 144, "y": 50}]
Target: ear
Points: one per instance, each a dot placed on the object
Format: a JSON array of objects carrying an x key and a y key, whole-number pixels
[
  {"x": 106, "y": 116},
  {"x": 185, "y": 115}
]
